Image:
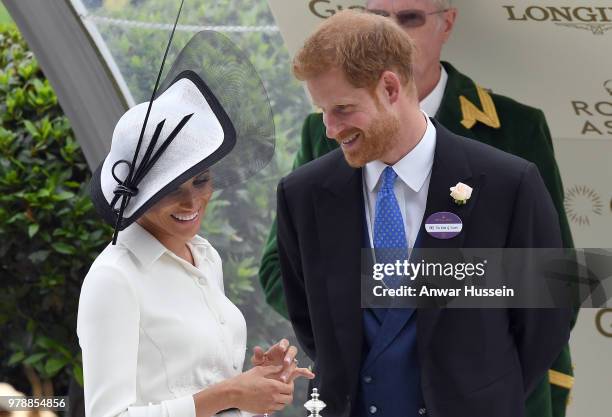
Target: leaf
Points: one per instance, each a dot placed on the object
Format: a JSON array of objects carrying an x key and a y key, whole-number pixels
[
  {"x": 33, "y": 229},
  {"x": 64, "y": 195},
  {"x": 64, "y": 248},
  {"x": 50, "y": 344},
  {"x": 34, "y": 358},
  {"x": 77, "y": 373},
  {"x": 53, "y": 365},
  {"x": 39, "y": 256},
  {"x": 45, "y": 342},
  {"x": 30, "y": 127},
  {"x": 72, "y": 184},
  {"x": 16, "y": 358}
]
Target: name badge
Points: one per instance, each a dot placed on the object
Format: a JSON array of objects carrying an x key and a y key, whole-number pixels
[{"x": 443, "y": 225}]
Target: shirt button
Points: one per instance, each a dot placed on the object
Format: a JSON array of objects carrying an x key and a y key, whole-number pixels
[
  {"x": 373, "y": 409},
  {"x": 221, "y": 320},
  {"x": 202, "y": 281},
  {"x": 422, "y": 411},
  {"x": 367, "y": 379}
]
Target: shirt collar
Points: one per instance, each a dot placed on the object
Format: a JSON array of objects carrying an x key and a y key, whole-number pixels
[
  {"x": 414, "y": 168},
  {"x": 141, "y": 243},
  {"x": 431, "y": 104},
  {"x": 147, "y": 248}
]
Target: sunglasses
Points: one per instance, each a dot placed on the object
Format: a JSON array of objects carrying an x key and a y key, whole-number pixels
[{"x": 410, "y": 18}]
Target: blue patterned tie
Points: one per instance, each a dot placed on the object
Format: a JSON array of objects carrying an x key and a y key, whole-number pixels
[{"x": 389, "y": 235}]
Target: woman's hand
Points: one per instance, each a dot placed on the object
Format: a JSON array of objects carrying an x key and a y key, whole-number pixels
[
  {"x": 256, "y": 391},
  {"x": 281, "y": 354},
  {"x": 253, "y": 391}
]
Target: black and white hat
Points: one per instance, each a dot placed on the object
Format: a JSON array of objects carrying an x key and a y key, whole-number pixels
[{"x": 211, "y": 113}]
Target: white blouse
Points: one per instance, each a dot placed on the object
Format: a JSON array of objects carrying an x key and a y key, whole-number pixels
[{"x": 154, "y": 329}]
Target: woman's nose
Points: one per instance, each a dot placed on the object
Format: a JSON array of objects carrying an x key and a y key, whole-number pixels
[{"x": 189, "y": 199}]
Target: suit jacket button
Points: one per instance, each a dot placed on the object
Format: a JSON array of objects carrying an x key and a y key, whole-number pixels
[
  {"x": 373, "y": 409},
  {"x": 367, "y": 379},
  {"x": 422, "y": 411}
]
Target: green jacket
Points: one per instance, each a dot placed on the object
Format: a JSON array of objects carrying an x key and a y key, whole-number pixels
[{"x": 467, "y": 110}]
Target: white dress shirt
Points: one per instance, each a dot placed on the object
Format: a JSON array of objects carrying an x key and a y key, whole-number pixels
[
  {"x": 431, "y": 103},
  {"x": 154, "y": 329},
  {"x": 411, "y": 185}
]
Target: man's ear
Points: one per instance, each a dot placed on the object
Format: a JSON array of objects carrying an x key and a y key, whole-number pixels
[
  {"x": 449, "y": 23},
  {"x": 391, "y": 86}
]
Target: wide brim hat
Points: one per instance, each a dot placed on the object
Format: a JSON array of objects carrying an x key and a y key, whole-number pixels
[{"x": 210, "y": 113}]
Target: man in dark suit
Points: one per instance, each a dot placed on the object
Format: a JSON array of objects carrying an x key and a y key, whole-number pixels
[
  {"x": 467, "y": 109},
  {"x": 394, "y": 169}
]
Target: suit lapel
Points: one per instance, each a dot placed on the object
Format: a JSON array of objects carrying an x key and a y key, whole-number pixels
[
  {"x": 395, "y": 320},
  {"x": 339, "y": 214},
  {"x": 450, "y": 167}
]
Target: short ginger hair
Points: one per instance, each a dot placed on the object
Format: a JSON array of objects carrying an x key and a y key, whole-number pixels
[{"x": 363, "y": 45}]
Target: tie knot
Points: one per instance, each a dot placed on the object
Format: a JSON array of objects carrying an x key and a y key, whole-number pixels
[{"x": 389, "y": 177}]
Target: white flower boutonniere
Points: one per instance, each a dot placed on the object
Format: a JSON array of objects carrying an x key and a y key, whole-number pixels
[{"x": 461, "y": 193}]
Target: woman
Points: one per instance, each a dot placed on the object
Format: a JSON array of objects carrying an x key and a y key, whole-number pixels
[{"x": 158, "y": 335}]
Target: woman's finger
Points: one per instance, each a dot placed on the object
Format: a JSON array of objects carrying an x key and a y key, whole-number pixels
[
  {"x": 288, "y": 370},
  {"x": 290, "y": 355},
  {"x": 258, "y": 357},
  {"x": 283, "y": 399},
  {"x": 281, "y": 387},
  {"x": 268, "y": 370},
  {"x": 301, "y": 372},
  {"x": 284, "y": 344},
  {"x": 277, "y": 352}
]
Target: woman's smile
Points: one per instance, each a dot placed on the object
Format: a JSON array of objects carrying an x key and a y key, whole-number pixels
[{"x": 186, "y": 217}]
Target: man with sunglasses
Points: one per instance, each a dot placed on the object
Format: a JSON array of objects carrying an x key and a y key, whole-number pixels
[{"x": 466, "y": 109}]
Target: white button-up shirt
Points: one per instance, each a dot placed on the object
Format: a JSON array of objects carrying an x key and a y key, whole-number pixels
[
  {"x": 414, "y": 172},
  {"x": 431, "y": 104},
  {"x": 410, "y": 188},
  {"x": 154, "y": 329}
]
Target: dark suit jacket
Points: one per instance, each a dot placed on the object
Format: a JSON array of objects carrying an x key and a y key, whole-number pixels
[{"x": 476, "y": 363}]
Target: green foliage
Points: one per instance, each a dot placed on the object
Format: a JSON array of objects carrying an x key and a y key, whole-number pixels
[{"x": 49, "y": 233}]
